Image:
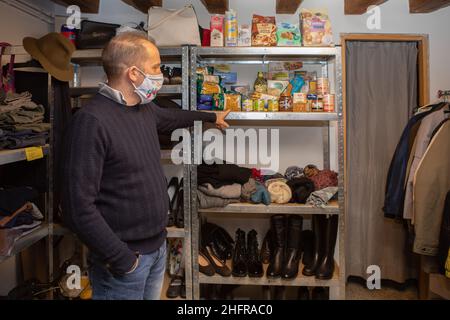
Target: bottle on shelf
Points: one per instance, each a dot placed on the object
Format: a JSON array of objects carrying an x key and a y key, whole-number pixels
[{"x": 260, "y": 83}]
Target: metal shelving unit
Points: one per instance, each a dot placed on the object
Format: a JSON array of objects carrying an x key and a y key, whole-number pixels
[
  {"x": 178, "y": 55},
  {"x": 326, "y": 58},
  {"x": 45, "y": 230}
]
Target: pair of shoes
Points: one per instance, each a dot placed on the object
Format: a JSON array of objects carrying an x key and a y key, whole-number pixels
[
  {"x": 246, "y": 258},
  {"x": 218, "y": 240},
  {"x": 177, "y": 288},
  {"x": 320, "y": 258},
  {"x": 171, "y": 75},
  {"x": 287, "y": 252},
  {"x": 266, "y": 248},
  {"x": 176, "y": 203},
  {"x": 210, "y": 264}
]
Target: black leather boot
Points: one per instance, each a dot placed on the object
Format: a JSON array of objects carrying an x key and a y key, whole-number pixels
[
  {"x": 266, "y": 248},
  {"x": 318, "y": 229},
  {"x": 278, "y": 226},
  {"x": 307, "y": 238},
  {"x": 254, "y": 264},
  {"x": 239, "y": 268},
  {"x": 293, "y": 247},
  {"x": 326, "y": 267}
]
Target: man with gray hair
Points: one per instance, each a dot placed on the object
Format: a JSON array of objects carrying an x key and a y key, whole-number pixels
[{"x": 115, "y": 199}]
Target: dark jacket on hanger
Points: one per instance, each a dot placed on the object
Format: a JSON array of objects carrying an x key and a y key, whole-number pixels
[{"x": 395, "y": 185}]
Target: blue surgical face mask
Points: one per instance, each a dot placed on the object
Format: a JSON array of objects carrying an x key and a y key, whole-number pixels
[{"x": 149, "y": 87}]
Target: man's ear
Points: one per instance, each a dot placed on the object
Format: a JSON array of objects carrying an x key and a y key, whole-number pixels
[{"x": 133, "y": 74}]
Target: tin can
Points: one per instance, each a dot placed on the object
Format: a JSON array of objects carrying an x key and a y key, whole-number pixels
[
  {"x": 313, "y": 87},
  {"x": 323, "y": 86},
  {"x": 273, "y": 106},
  {"x": 329, "y": 103},
  {"x": 258, "y": 105},
  {"x": 247, "y": 105}
]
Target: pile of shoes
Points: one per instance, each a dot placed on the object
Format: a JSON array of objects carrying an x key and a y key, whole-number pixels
[
  {"x": 172, "y": 76},
  {"x": 215, "y": 249},
  {"x": 285, "y": 245},
  {"x": 176, "y": 203}
]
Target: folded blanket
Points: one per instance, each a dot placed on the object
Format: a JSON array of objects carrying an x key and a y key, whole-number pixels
[
  {"x": 325, "y": 179},
  {"x": 301, "y": 189},
  {"x": 320, "y": 198},
  {"x": 248, "y": 189},
  {"x": 279, "y": 191}
]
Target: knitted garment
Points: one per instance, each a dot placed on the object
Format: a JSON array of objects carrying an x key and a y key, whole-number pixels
[
  {"x": 310, "y": 171},
  {"x": 256, "y": 174},
  {"x": 279, "y": 192},
  {"x": 301, "y": 189},
  {"x": 232, "y": 191},
  {"x": 205, "y": 201},
  {"x": 324, "y": 179},
  {"x": 293, "y": 172}
]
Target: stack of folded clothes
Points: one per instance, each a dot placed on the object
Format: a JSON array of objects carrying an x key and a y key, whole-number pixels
[
  {"x": 18, "y": 216},
  {"x": 22, "y": 122},
  {"x": 220, "y": 185}
]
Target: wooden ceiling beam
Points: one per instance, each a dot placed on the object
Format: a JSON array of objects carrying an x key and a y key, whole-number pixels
[
  {"x": 427, "y": 6},
  {"x": 143, "y": 5},
  {"x": 86, "y": 6},
  {"x": 360, "y": 6},
  {"x": 287, "y": 6},
  {"x": 216, "y": 6}
]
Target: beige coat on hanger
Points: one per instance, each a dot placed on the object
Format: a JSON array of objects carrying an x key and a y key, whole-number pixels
[{"x": 431, "y": 184}]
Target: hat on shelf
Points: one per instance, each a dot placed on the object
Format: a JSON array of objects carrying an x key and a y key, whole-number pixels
[{"x": 54, "y": 52}]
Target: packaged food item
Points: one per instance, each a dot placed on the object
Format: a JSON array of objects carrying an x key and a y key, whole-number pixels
[
  {"x": 315, "y": 102},
  {"x": 202, "y": 106},
  {"x": 296, "y": 84},
  {"x": 247, "y": 105},
  {"x": 323, "y": 86},
  {"x": 231, "y": 29},
  {"x": 276, "y": 87},
  {"x": 312, "y": 86},
  {"x": 316, "y": 28},
  {"x": 259, "y": 105},
  {"x": 227, "y": 77},
  {"x": 205, "y": 98},
  {"x": 260, "y": 83},
  {"x": 221, "y": 68},
  {"x": 329, "y": 103},
  {"x": 216, "y": 27},
  {"x": 263, "y": 96},
  {"x": 300, "y": 102},
  {"x": 245, "y": 36},
  {"x": 209, "y": 78},
  {"x": 218, "y": 101},
  {"x": 286, "y": 103},
  {"x": 242, "y": 89},
  {"x": 232, "y": 102},
  {"x": 210, "y": 88},
  {"x": 288, "y": 35},
  {"x": 264, "y": 31},
  {"x": 205, "y": 70},
  {"x": 273, "y": 105}
]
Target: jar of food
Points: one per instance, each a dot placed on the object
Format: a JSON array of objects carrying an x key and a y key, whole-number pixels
[
  {"x": 258, "y": 105},
  {"x": 273, "y": 105}
]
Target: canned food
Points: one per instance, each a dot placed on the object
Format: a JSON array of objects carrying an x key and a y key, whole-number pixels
[
  {"x": 258, "y": 105},
  {"x": 247, "y": 105},
  {"x": 329, "y": 103},
  {"x": 273, "y": 106},
  {"x": 323, "y": 86},
  {"x": 312, "y": 86}
]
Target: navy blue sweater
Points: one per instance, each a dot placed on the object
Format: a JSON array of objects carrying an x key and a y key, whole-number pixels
[{"x": 115, "y": 197}]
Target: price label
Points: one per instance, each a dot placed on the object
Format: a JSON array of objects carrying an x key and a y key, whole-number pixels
[{"x": 34, "y": 153}]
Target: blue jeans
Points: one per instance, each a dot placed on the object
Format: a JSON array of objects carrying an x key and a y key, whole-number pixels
[{"x": 145, "y": 283}]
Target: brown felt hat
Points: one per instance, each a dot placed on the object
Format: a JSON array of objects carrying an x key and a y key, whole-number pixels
[{"x": 54, "y": 52}]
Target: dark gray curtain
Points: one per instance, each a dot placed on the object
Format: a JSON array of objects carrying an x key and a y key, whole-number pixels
[{"x": 381, "y": 94}]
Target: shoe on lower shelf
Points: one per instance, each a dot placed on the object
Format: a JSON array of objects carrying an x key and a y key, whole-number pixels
[
  {"x": 174, "y": 289},
  {"x": 204, "y": 265}
]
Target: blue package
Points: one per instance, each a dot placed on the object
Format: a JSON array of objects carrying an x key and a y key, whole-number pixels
[
  {"x": 204, "y": 107},
  {"x": 204, "y": 98},
  {"x": 227, "y": 77}
]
